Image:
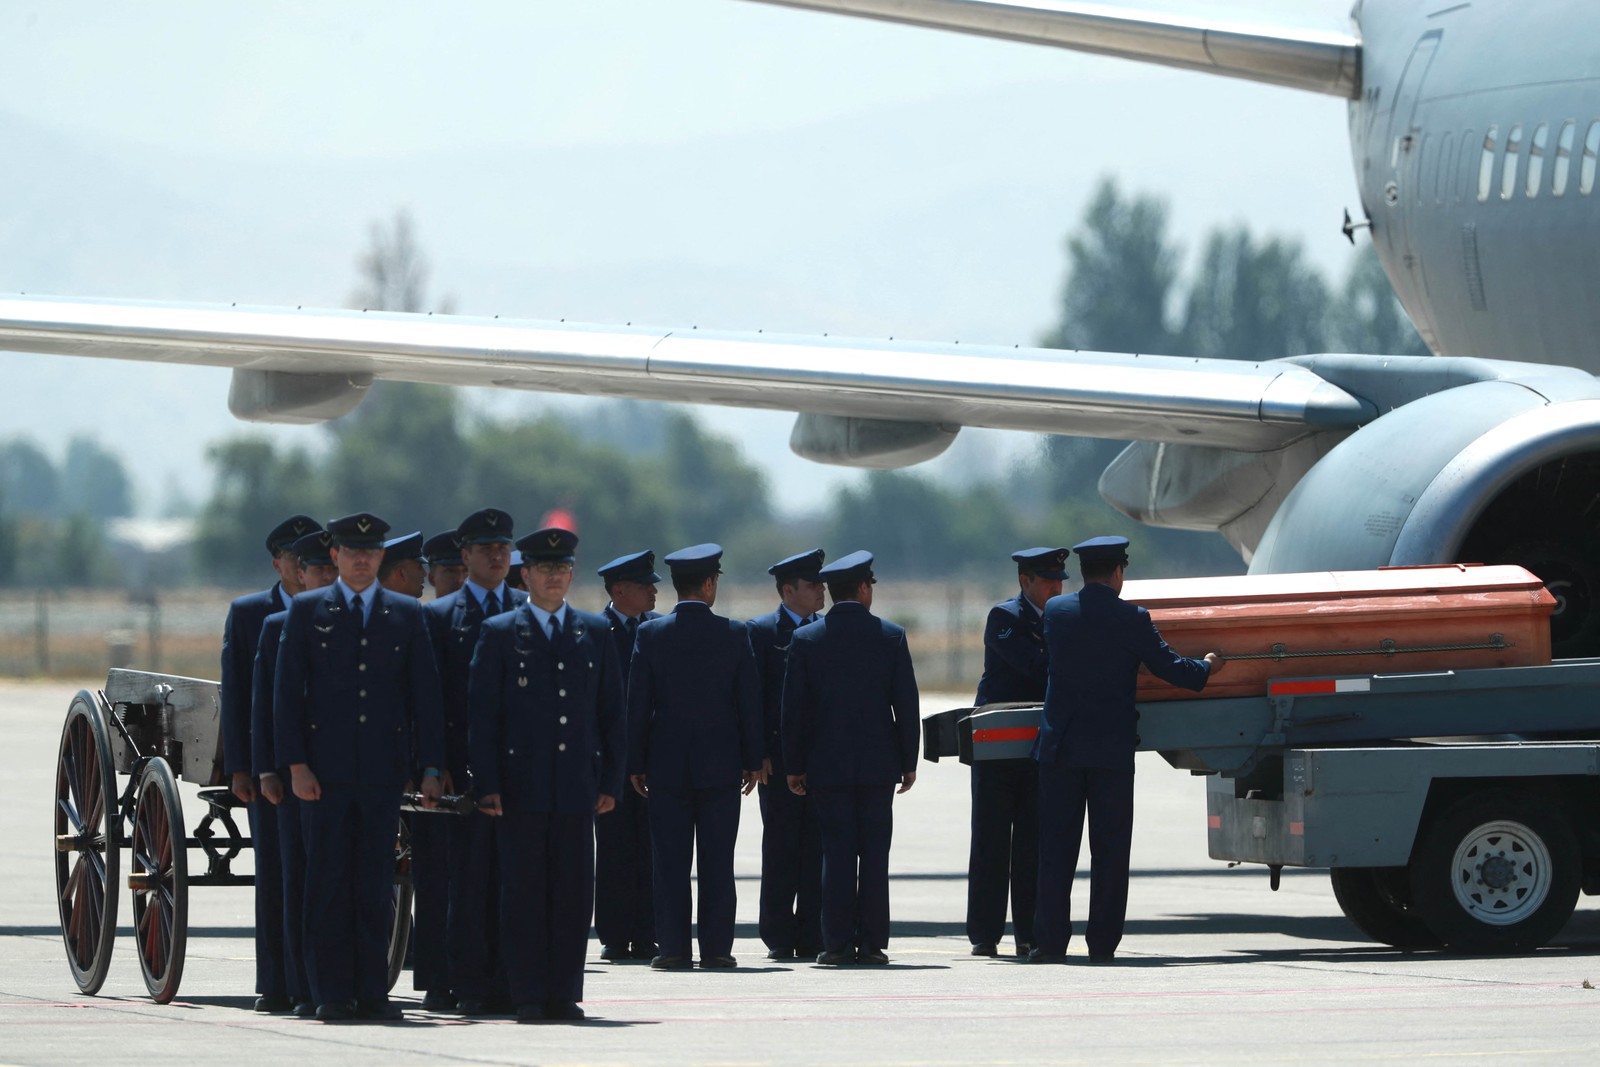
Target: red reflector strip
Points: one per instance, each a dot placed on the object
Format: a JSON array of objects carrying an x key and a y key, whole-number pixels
[
  {"x": 1297, "y": 829},
  {"x": 1303, "y": 687},
  {"x": 1213, "y": 822},
  {"x": 1005, "y": 733}
]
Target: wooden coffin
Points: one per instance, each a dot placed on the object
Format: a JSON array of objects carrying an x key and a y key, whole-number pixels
[{"x": 1389, "y": 621}]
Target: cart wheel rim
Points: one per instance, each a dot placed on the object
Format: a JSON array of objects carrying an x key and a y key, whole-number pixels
[
  {"x": 157, "y": 878},
  {"x": 86, "y": 822},
  {"x": 1502, "y": 872}
]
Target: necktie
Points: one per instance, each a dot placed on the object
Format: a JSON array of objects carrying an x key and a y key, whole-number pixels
[
  {"x": 632, "y": 626},
  {"x": 491, "y": 606},
  {"x": 555, "y": 627}
]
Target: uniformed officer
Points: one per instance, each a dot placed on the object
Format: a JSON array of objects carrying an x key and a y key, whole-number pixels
[
  {"x": 1005, "y": 793},
  {"x": 447, "y": 570},
  {"x": 316, "y": 571},
  {"x": 850, "y": 728},
  {"x": 547, "y": 746},
  {"x": 356, "y": 698},
  {"x": 791, "y": 844},
  {"x": 402, "y": 570},
  {"x": 624, "y": 906},
  {"x": 1095, "y": 642},
  {"x": 459, "y": 857},
  {"x": 694, "y": 732},
  {"x": 241, "y": 634}
]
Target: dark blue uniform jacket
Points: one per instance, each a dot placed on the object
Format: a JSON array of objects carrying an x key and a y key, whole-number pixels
[
  {"x": 453, "y": 625},
  {"x": 769, "y": 640},
  {"x": 850, "y": 710},
  {"x": 1096, "y": 641},
  {"x": 348, "y": 701},
  {"x": 1014, "y": 660},
  {"x": 547, "y": 728},
  {"x": 694, "y": 702},
  {"x": 241, "y": 635},
  {"x": 263, "y": 753}
]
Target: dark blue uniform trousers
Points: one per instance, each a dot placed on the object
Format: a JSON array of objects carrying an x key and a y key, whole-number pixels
[
  {"x": 349, "y": 902},
  {"x": 694, "y": 827},
  {"x": 1005, "y": 849},
  {"x": 624, "y": 908},
  {"x": 791, "y": 870},
  {"x": 546, "y": 898},
  {"x": 271, "y": 975},
  {"x": 856, "y": 823},
  {"x": 1065, "y": 794},
  {"x": 430, "y": 885},
  {"x": 476, "y": 970},
  {"x": 292, "y": 861}
]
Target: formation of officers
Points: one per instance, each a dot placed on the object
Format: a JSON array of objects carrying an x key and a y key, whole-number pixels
[{"x": 607, "y": 754}]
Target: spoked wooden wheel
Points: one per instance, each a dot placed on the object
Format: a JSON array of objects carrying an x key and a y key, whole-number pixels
[
  {"x": 158, "y": 878},
  {"x": 400, "y": 917},
  {"x": 88, "y": 832}
]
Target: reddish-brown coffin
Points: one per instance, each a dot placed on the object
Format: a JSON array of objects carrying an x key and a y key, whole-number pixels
[{"x": 1388, "y": 621}]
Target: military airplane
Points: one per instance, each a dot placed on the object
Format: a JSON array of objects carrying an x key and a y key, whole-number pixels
[{"x": 1475, "y": 132}]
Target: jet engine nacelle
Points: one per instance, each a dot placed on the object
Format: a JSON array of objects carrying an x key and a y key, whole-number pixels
[
  {"x": 1490, "y": 472},
  {"x": 301, "y": 399},
  {"x": 849, "y": 441}
]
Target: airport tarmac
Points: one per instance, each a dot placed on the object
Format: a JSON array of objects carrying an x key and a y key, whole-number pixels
[{"x": 1215, "y": 968}]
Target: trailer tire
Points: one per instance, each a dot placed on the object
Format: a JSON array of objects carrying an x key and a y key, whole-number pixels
[
  {"x": 1496, "y": 872},
  {"x": 1378, "y": 901}
]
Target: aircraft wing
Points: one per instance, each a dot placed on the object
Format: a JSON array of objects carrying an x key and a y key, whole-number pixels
[
  {"x": 304, "y": 366},
  {"x": 1299, "y": 59}
]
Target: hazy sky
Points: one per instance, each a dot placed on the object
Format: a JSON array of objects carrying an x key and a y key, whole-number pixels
[{"x": 726, "y": 163}]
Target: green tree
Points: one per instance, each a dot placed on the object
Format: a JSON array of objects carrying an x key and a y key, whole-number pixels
[
  {"x": 1253, "y": 300},
  {"x": 94, "y": 481},
  {"x": 254, "y": 488},
  {"x": 400, "y": 455},
  {"x": 28, "y": 479},
  {"x": 1367, "y": 316},
  {"x": 919, "y": 528}
]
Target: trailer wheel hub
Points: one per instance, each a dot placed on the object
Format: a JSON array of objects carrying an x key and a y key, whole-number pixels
[{"x": 1502, "y": 872}]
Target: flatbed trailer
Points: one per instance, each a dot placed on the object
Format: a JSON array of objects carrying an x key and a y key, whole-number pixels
[{"x": 1454, "y": 809}]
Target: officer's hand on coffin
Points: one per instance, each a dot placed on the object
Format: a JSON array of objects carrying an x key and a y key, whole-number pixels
[{"x": 1215, "y": 660}]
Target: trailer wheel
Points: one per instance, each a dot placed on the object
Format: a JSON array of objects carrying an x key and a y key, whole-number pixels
[
  {"x": 158, "y": 877},
  {"x": 400, "y": 916},
  {"x": 1497, "y": 872},
  {"x": 88, "y": 832},
  {"x": 1378, "y": 901}
]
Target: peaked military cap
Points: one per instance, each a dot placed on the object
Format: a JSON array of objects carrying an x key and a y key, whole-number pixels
[
  {"x": 549, "y": 545},
  {"x": 443, "y": 550},
  {"x": 290, "y": 530},
  {"x": 1045, "y": 562},
  {"x": 696, "y": 561},
  {"x": 1103, "y": 550},
  {"x": 636, "y": 567},
  {"x": 803, "y": 566},
  {"x": 401, "y": 548},
  {"x": 487, "y": 526},
  {"x": 516, "y": 557},
  {"x": 361, "y": 530},
  {"x": 856, "y": 567},
  {"x": 312, "y": 549}
]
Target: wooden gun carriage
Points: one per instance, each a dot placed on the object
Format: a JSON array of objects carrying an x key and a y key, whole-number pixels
[{"x": 156, "y": 729}]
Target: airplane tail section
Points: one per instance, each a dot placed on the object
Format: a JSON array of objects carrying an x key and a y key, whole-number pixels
[{"x": 1298, "y": 59}]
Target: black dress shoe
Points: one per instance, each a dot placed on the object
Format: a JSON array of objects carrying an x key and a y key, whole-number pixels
[
  {"x": 474, "y": 1006},
  {"x": 718, "y": 963},
  {"x": 438, "y": 1000},
  {"x": 304, "y": 1009},
  {"x": 873, "y": 956},
  {"x": 381, "y": 1009},
  {"x": 671, "y": 963},
  {"x": 274, "y": 1004},
  {"x": 335, "y": 1012},
  {"x": 806, "y": 952},
  {"x": 986, "y": 948},
  {"x": 564, "y": 1011},
  {"x": 1039, "y": 955},
  {"x": 645, "y": 950},
  {"x": 1024, "y": 947},
  {"x": 611, "y": 954},
  {"x": 781, "y": 954},
  {"x": 835, "y": 957},
  {"x": 531, "y": 1013},
  {"x": 1102, "y": 957}
]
